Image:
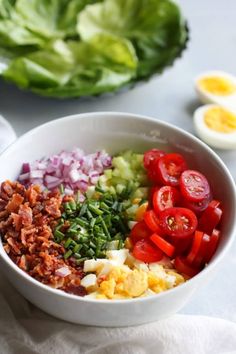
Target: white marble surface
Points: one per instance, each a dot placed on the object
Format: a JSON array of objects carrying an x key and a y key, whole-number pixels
[{"x": 170, "y": 97}]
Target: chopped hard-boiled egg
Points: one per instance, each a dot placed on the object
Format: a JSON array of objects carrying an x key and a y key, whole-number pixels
[
  {"x": 217, "y": 87},
  {"x": 89, "y": 281},
  {"x": 121, "y": 276},
  {"x": 118, "y": 256},
  {"x": 216, "y": 126}
]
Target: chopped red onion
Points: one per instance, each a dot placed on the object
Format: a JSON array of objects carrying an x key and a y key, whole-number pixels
[
  {"x": 74, "y": 170},
  {"x": 63, "y": 272}
]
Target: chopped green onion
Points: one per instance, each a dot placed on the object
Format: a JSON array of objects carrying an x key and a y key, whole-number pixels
[
  {"x": 95, "y": 210},
  {"x": 68, "y": 254},
  {"x": 83, "y": 210},
  {"x": 68, "y": 242}
]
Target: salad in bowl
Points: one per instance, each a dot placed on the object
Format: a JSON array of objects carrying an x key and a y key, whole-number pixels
[
  {"x": 110, "y": 227},
  {"x": 116, "y": 219}
]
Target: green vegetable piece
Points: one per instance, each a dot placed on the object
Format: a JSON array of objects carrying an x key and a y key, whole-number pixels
[{"x": 68, "y": 254}]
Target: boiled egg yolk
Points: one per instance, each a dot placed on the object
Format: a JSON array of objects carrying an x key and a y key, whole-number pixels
[
  {"x": 220, "y": 120},
  {"x": 219, "y": 86}
]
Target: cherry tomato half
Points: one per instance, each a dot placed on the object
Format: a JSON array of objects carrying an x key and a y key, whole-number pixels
[
  {"x": 163, "y": 245},
  {"x": 178, "y": 222},
  {"x": 150, "y": 156},
  {"x": 183, "y": 267},
  {"x": 144, "y": 251},
  {"x": 152, "y": 221},
  {"x": 197, "y": 207},
  {"x": 212, "y": 246},
  {"x": 210, "y": 218},
  {"x": 169, "y": 168},
  {"x": 165, "y": 197},
  {"x": 139, "y": 232},
  {"x": 194, "y": 186}
]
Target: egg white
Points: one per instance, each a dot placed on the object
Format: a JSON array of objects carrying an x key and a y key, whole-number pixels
[
  {"x": 209, "y": 136},
  {"x": 228, "y": 101}
]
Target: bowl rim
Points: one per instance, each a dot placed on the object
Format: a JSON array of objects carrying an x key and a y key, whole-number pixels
[{"x": 123, "y": 115}]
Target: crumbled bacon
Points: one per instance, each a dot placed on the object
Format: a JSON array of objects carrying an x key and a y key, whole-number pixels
[{"x": 27, "y": 219}]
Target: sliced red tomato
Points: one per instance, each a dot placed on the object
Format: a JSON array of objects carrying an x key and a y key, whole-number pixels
[
  {"x": 163, "y": 245},
  {"x": 144, "y": 251},
  {"x": 178, "y": 222},
  {"x": 165, "y": 197},
  {"x": 197, "y": 207},
  {"x": 152, "y": 191},
  {"x": 182, "y": 245},
  {"x": 150, "y": 156},
  {"x": 210, "y": 218},
  {"x": 194, "y": 186},
  {"x": 212, "y": 246},
  {"x": 169, "y": 168},
  {"x": 152, "y": 221},
  {"x": 197, "y": 254},
  {"x": 183, "y": 267},
  {"x": 139, "y": 232}
]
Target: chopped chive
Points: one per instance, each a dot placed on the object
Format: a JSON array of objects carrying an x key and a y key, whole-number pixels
[
  {"x": 59, "y": 234},
  {"x": 89, "y": 214},
  {"x": 72, "y": 205},
  {"x": 91, "y": 244},
  {"x": 77, "y": 255},
  {"x": 85, "y": 247},
  {"x": 90, "y": 252},
  {"x": 95, "y": 210},
  {"x": 119, "y": 207},
  {"x": 83, "y": 210},
  {"x": 104, "y": 206},
  {"x": 68, "y": 242},
  {"x": 82, "y": 222},
  {"x": 68, "y": 254},
  {"x": 78, "y": 261},
  {"x": 104, "y": 226},
  {"x": 115, "y": 205},
  {"x": 72, "y": 232},
  {"x": 92, "y": 222},
  {"x": 98, "y": 189},
  {"x": 77, "y": 248}
]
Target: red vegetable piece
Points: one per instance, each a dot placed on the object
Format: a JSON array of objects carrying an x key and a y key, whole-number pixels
[
  {"x": 183, "y": 267},
  {"x": 196, "y": 245},
  {"x": 182, "y": 245},
  {"x": 169, "y": 169},
  {"x": 212, "y": 246},
  {"x": 178, "y": 222},
  {"x": 151, "y": 194},
  {"x": 210, "y": 218},
  {"x": 152, "y": 221},
  {"x": 150, "y": 156},
  {"x": 163, "y": 245},
  {"x": 139, "y": 232},
  {"x": 197, "y": 207},
  {"x": 194, "y": 186},
  {"x": 144, "y": 251},
  {"x": 165, "y": 197}
]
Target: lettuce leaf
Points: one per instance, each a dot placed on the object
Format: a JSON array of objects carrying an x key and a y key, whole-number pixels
[
  {"x": 155, "y": 28},
  {"x": 73, "y": 48},
  {"x": 70, "y": 69}
]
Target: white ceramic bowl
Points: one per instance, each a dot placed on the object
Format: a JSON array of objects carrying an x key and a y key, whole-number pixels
[{"x": 115, "y": 132}]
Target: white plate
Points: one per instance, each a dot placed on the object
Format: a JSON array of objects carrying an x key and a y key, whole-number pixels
[{"x": 7, "y": 134}]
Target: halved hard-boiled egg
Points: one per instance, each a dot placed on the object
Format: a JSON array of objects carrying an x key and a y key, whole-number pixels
[
  {"x": 216, "y": 125},
  {"x": 217, "y": 87}
]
